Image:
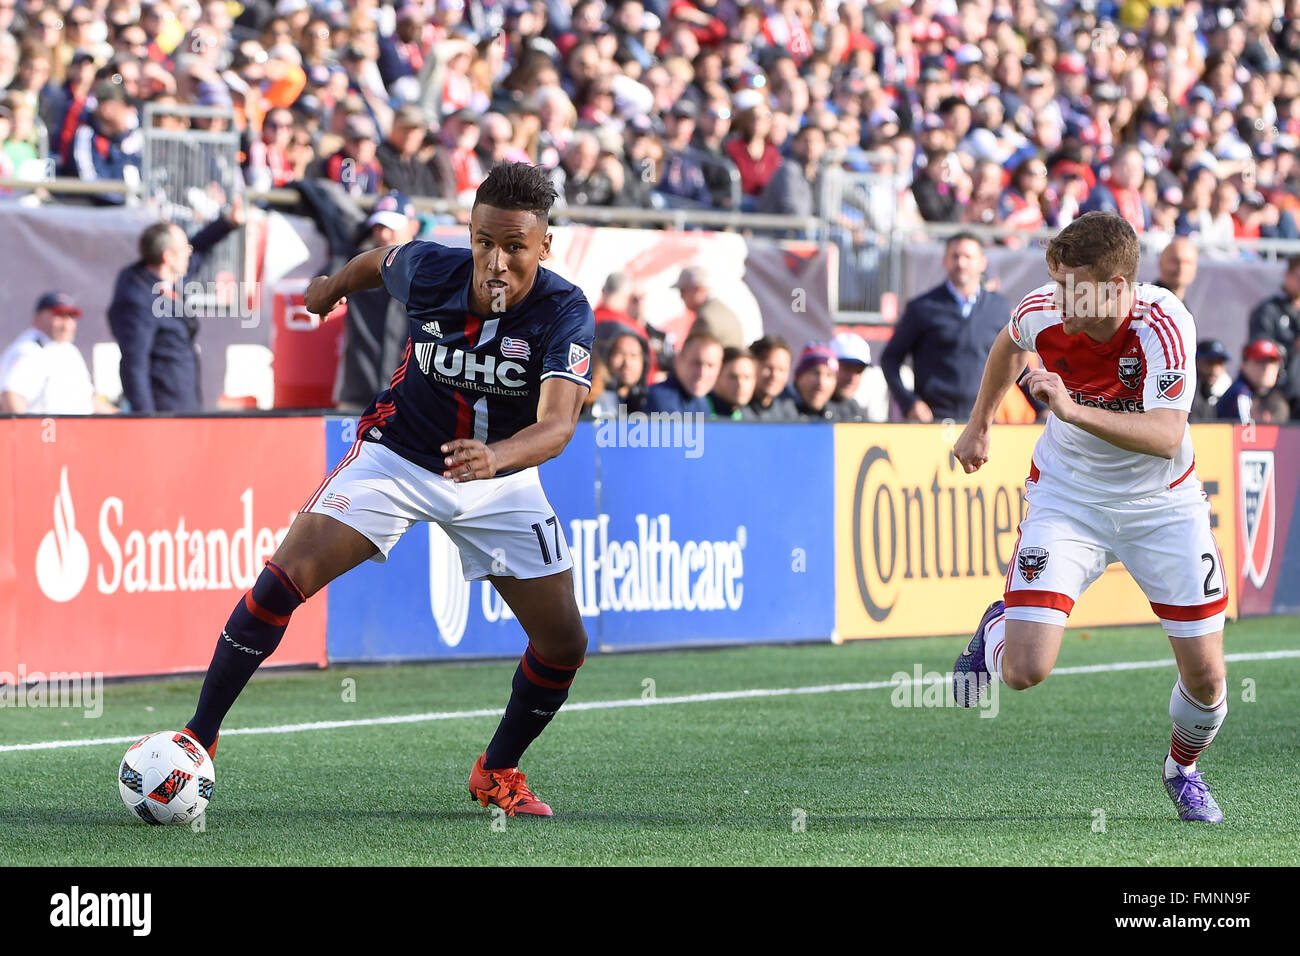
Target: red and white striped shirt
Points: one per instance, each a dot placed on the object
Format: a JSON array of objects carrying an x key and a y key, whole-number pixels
[{"x": 1149, "y": 363}]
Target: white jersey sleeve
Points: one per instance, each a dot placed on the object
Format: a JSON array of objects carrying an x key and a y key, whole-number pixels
[
  {"x": 1035, "y": 312},
  {"x": 1168, "y": 337}
]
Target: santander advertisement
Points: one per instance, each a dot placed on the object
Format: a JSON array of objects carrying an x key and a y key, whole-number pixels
[{"x": 126, "y": 543}]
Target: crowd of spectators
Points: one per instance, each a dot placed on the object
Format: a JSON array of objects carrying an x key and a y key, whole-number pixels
[{"x": 1184, "y": 119}]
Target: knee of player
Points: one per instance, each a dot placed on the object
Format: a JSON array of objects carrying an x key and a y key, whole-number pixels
[
  {"x": 1207, "y": 684},
  {"x": 565, "y": 645},
  {"x": 305, "y": 572},
  {"x": 1023, "y": 677}
]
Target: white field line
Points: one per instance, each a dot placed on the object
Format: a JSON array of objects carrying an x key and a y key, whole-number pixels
[{"x": 640, "y": 702}]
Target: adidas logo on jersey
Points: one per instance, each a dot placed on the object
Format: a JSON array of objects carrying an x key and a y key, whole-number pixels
[{"x": 432, "y": 328}]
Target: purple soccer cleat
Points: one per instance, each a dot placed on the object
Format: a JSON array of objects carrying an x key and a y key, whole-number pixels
[
  {"x": 1191, "y": 795},
  {"x": 970, "y": 677}
]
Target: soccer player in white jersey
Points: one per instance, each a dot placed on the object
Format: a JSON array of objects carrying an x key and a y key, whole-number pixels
[{"x": 1112, "y": 478}]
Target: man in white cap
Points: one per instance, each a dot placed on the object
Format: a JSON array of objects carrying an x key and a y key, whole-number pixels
[
  {"x": 709, "y": 313},
  {"x": 42, "y": 372},
  {"x": 854, "y": 355}
]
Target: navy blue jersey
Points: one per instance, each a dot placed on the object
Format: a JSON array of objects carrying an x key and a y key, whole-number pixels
[{"x": 471, "y": 376}]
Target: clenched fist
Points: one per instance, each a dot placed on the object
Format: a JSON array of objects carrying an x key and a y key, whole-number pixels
[{"x": 320, "y": 299}]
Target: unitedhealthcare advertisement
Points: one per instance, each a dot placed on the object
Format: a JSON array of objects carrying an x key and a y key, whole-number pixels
[{"x": 724, "y": 537}]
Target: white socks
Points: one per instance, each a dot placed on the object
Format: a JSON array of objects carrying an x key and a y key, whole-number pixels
[
  {"x": 995, "y": 639},
  {"x": 1195, "y": 725}
]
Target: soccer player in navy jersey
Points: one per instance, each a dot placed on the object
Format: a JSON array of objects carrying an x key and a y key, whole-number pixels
[{"x": 490, "y": 386}]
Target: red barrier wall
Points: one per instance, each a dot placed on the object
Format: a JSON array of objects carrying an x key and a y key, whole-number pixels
[{"x": 125, "y": 543}]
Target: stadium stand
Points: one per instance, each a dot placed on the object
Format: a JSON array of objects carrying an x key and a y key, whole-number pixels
[{"x": 1185, "y": 119}]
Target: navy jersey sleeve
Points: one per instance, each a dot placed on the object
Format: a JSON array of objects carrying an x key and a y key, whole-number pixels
[
  {"x": 417, "y": 263},
  {"x": 569, "y": 341}
]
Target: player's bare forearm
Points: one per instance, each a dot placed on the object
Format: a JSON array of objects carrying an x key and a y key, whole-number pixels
[
  {"x": 1158, "y": 432},
  {"x": 558, "y": 408},
  {"x": 1005, "y": 363},
  {"x": 325, "y": 293}
]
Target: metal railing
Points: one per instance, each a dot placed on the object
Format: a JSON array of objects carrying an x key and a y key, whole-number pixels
[
  {"x": 191, "y": 175},
  {"x": 861, "y": 213}
]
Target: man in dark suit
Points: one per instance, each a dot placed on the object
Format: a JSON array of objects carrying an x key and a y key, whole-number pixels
[
  {"x": 154, "y": 326},
  {"x": 947, "y": 332}
]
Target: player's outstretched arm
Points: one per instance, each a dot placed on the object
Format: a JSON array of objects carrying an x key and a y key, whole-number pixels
[
  {"x": 1157, "y": 432},
  {"x": 558, "y": 406},
  {"x": 326, "y": 293},
  {"x": 1005, "y": 363}
]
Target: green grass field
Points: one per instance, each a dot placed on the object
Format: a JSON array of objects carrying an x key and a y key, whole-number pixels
[{"x": 698, "y": 782}]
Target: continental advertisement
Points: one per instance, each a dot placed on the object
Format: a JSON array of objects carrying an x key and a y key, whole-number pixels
[{"x": 922, "y": 547}]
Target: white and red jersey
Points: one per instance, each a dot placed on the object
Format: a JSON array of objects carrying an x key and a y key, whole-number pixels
[{"x": 1149, "y": 363}]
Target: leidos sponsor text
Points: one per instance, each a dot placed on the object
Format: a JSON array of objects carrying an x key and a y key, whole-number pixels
[{"x": 133, "y": 560}]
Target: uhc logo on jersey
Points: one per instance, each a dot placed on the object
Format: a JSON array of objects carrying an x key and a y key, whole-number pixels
[
  {"x": 1170, "y": 384},
  {"x": 579, "y": 359},
  {"x": 482, "y": 371},
  {"x": 1031, "y": 562},
  {"x": 1130, "y": 370}
]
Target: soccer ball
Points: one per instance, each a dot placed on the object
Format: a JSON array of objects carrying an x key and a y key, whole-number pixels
[{"x": 166, "y": 778}]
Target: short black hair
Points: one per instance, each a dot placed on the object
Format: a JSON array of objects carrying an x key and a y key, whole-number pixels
[
  {"x": 963, "y": 236},
  {"x": 762, "y": 348},
  {"x": 154, "y": 241},
  {"x": 518, "y": 186}
]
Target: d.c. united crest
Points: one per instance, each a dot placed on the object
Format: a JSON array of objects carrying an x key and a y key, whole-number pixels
[
  {"x": 1130, "y": 370},
  {"x": 1031, "y": 562}
]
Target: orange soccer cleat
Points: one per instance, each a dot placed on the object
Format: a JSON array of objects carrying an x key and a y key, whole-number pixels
[
  {"x": 212, "y": 750},
  {"x": 506, "y": 789}
]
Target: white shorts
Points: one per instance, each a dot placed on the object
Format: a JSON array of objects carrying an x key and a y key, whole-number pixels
[
  {"x": 1164, "y": 542},
  {"x": 502, "y": 526}
]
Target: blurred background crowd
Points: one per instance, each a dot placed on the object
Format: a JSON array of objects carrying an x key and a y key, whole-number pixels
[{"x": 1185, "y": 119}]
